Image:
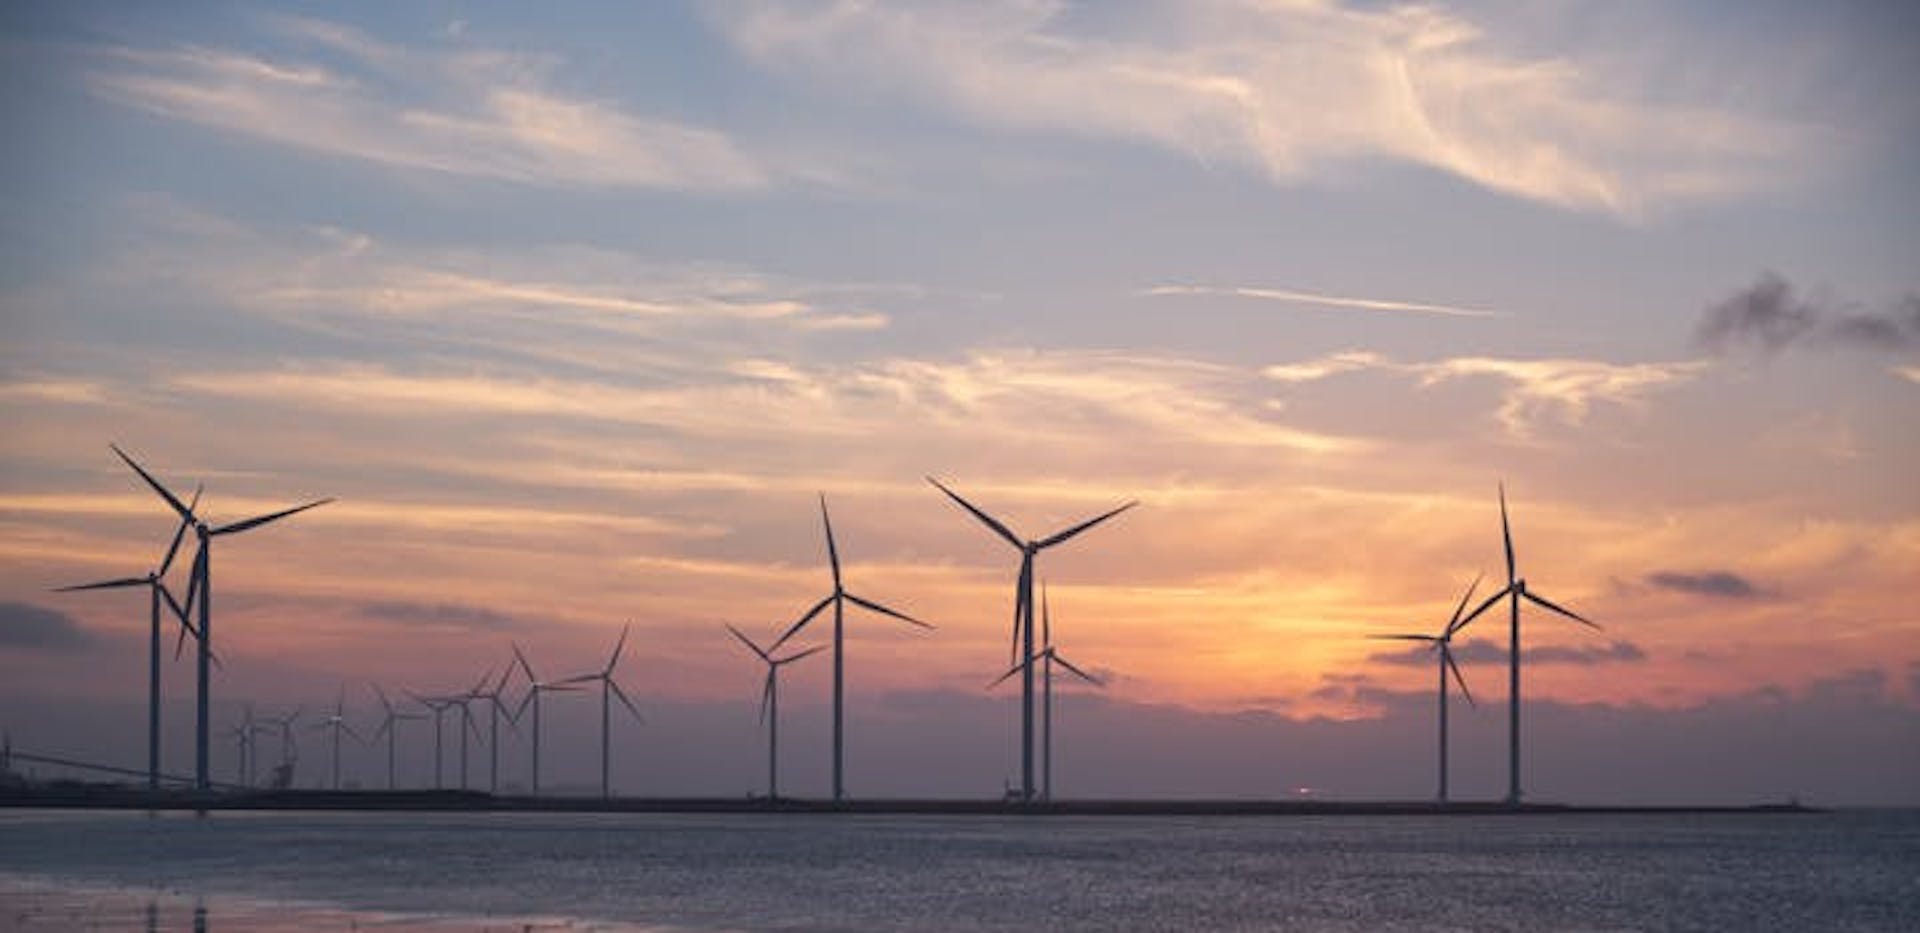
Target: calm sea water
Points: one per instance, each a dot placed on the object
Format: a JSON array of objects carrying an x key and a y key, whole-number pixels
[{"x": 1840, "y": 871}]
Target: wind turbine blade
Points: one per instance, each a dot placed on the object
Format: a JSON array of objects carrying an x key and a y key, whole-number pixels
[
  {"x": 1431, "y": 638},
  {"x": 1477, "y": 610},
  {"x": 1446, "y": 654},
  {"x": 505, "y": 672},
  {"x": 766, "y": 695},
  {"x": 876, "y": 607},
  {"x": 481, "y": 684},
  {"x": 581, "y": 678},
  {"x": 179, "y": 535},
  {"x": 833, "y": 550},
  {"x": 1455, "y": 621},
  {"x": 349, "y": 730},
  {"x": 997, "y": 681},
  {"x": 797, "y": 626},
  {"x": 423, "y": 701},
  {"x": 984, "y": 518},
  {"x": 621, "y": 695},
  {"x": 524, "y": 666},
  {"x": 614, "y": 659},
  {"x": 1506, "y": 533},
  {"x": 193, "y": 579},
  {"x": 749, "y": 643},
  {"x": 180, "y": 641},
  {"x": 524, "y": 700},
  {"x": 789, "y": 659},
  {"x": 104, "y": 585},
  {"x": 1083, "y": 526},
  {"x": 178, "y": 610},
  {"x": 1083, "y": 675},
  {"x": 386, "y": 725},
  {"x": 259, "y": 520},
  {"x": 1549, "y": 604},
  {"x": 186, "y": 514},
  {"x": 1020, "y": 604}
]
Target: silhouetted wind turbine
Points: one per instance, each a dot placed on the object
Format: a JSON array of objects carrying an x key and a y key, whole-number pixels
[
  {"x": 1048, "y": 657},
  {"x": 535, "y": 687},
  {"x": 243, "y": 740},
  {"x": 289, "y": 751},
  {"x": 1442, "y": 644},
  {"x": 1023, "y": 613},
  {"x": 838, "y": 600},
  {"x": 155, "y": 582},
  {"x": 336, "y": 722},
  {"x": 201, "y": 587},
  {"x": 387, "y": 727},
  {"x": 770, "y": 704},
  {"x": 1516, "y": 590},
  {"x": 495, "y": 707},
  {"x": 439, "y": 707},
  {"x": 609, "y": 688}
]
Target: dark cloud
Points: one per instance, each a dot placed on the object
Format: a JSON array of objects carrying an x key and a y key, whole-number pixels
[
  {"x": 445, "y": 615},
  {"x": 1770, "y": 317},
  {"x": 1488, "y": 652},
  {"x": 23, "y": 625},
  {"x": 1720, "y": 583}
]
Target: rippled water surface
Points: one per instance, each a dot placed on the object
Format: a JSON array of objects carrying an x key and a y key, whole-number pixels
[{"x": 1848, "y": 870}]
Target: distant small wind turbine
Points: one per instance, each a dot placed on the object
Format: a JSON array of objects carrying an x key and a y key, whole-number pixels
[
  {"x": 289, "y": 751},
  {"x": 535, "y": 687},
  {"x": 495, "y": 707},
  {"x": 157, "y": 592},
  {"x": 243, "y": 738},
  {"x": 438, "y": 706},
  {"x": 1023, "y": 612},
  {"x": 609, "y": 688},
  {"x": 336, "y": 723},
  {"x": 770, "y": 703},
  {"x": 201, "y": 587},
  {"x": 1442, "y": 644},
  {"x": 838, "y": 600},
  {"x": 389, "y": 718},
  {"x": 1515, "y": 591},
  {"x": 1048, "y": 657}
]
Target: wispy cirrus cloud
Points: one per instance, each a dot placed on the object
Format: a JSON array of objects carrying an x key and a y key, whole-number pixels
[
  {"x": 1535, "y": 389},
  {"x": 1286, "y": 88},
  {"x": 1316, "y": 299},
  {"x": 447, "y": 108}
]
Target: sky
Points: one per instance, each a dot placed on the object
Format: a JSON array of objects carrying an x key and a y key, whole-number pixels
[{"x": 577, "y": 311}]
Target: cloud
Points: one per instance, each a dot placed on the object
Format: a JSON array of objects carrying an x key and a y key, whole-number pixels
[
  {"x": 1536, "y": 389},
  {"x": 1290, "y": 296},
  {"x": 23, "y": 625},
  {"x": 449, "y": 109},
  {"x": 1717, "y": 583},
  {"x": 1769, "y": 316},
  {"x": 1286, "y": 88},
  {"x": 442, "y": 615},
  {"x": 1484, "y": 651}
]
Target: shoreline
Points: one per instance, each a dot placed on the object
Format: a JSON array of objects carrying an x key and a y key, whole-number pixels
[{"x": 111, "y": 798}]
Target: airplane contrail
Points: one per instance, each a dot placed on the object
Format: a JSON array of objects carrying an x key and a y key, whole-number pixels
[{"x": 1314, "y": 298}]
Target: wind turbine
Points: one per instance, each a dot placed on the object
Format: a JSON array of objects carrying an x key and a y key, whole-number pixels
[
  {"x": 155, "y": 582},
  {"x": 838, "y": 600},
  {"x": 439, "y": 706},
  {"x": 770, "y": 704},
  {"x": 243, "y": 740},
  {"x": 1442, "y": 644},
  {"x": 608, "y": 689},
  {"x": 535, "y": 687},
  {"x": 1023, "y": 613},
  {"x": 1048, "y": 657},
  {"x": 1515, "y": 591},
  {"x": 289, "y": 751},
  {"x": 336, "y": 722},
  {"x": 495, "y": 706},
  {"x": 201, "y": 586},
  {"x": 389, "y": 718}
]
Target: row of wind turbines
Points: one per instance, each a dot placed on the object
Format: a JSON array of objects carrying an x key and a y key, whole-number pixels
[{"x": 1030, "y": 659}]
